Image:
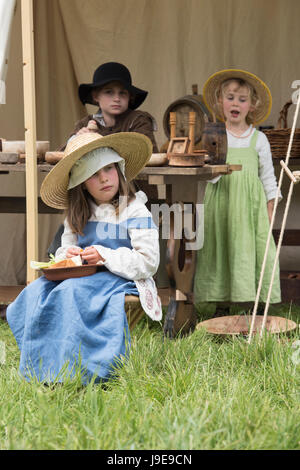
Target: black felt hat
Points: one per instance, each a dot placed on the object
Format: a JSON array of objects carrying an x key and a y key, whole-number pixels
[{"x": 110, "y": 72}]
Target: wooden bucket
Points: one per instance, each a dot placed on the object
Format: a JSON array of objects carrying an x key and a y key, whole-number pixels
[
  {"x": 214, "y": 141},
  {"x": 182, "y": 107}
]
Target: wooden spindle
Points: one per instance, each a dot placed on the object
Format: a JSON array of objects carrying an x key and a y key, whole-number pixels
[
  {"x": 192, "y": 121},
  {"x": 172, "y": 125}
]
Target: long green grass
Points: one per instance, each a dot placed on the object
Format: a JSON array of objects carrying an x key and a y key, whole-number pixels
[{"x": 196, "y": 392}]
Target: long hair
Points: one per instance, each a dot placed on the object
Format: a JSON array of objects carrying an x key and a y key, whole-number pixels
[
  {"x": 250, "y": 118},
  {"x": 79, "y": 209}
]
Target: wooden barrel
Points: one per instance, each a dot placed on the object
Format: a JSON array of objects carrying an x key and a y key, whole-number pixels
[
  {"x": 182, "y": 107},
  {"x": 214, "y": 141}
]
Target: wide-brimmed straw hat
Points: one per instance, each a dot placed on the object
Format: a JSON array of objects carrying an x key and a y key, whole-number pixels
[
  {"x": 213, "y": 83},
  {"x": 111, "y": 72},
  {"x": 134, "y": 148}
]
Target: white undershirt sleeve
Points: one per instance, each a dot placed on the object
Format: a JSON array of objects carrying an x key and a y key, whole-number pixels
[{"x": 266, "y": 168}]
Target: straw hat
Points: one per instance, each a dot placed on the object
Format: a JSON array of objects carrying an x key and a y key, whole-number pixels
[
  {"x": 264, "y": 95},
  {"x": 135, "y": 148}
]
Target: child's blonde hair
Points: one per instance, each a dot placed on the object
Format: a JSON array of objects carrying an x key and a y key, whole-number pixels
[
  {"x": 79, "y": 210},
  {"x": 255, "y": 103}
]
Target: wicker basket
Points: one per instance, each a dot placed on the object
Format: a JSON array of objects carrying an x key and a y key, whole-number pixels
[{"x": 279, "y": 138}]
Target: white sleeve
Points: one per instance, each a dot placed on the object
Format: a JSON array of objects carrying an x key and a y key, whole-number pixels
[
  {"x": 142, "y": 260},
  {"x": 68, "y": 239},
  {"x": 215, "y": 179},
  {"x": 266, "y": 168}
]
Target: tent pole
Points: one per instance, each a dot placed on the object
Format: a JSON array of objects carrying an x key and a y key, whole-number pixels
[{"x": 30, "y": 136}]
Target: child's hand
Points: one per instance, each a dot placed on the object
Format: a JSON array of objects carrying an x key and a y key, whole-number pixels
[
  {"x": 91, "y": 255},
  {"x": 91, "y": 127},
  {"x": 73, "y": 251}
]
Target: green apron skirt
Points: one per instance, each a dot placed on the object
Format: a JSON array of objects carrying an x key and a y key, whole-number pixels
[{"x": 236, "y": 227}]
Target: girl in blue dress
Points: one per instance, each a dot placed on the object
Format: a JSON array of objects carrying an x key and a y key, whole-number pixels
[{"x": 81, "y": 322}]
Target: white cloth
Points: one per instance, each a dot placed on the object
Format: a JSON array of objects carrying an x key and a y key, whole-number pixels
[
  {"x": 266, "y": 168},
  {"x": 93, "y": 161},
  {"x": 139, "y": 263}
]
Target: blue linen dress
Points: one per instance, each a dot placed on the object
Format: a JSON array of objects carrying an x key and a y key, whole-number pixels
[{"x": 80, "y": 322}]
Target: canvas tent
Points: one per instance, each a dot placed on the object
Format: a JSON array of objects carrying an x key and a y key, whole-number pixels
[
  {"x": 167, "y": 44},
  {"x": 6, "y": 16}
]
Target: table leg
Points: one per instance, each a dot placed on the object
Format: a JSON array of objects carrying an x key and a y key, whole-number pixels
[{"x": 180, "y": 316}]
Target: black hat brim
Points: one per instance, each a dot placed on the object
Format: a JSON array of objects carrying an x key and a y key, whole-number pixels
[{"x": 138, "y": 95}]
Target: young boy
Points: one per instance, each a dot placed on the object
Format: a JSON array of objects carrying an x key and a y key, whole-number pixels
[
  {"x": 112, "y": 91},
  {"x": 117, "y": 99}
]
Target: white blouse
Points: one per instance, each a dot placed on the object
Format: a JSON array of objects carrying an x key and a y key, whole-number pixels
[
  {"x": 266, "y": 169},
  {"x": 139, "y": 263}
]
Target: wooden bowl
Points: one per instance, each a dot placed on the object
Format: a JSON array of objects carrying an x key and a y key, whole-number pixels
[
  {"x": 60, "y": 274},
  {"x": 54, "y": 157},
  {"x": 187, "y": 159},
  {"x": 18, "y": 146},
  {"x": 9, "y": 158},
  {"x": 158, "y": 159},
  {"x": 240, "y": 325}
]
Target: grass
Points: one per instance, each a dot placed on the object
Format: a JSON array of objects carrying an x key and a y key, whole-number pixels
[{"x": 197, "y": 392}]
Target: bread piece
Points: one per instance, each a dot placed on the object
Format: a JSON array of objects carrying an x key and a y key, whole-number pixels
[{"x": 65, "y": 263}]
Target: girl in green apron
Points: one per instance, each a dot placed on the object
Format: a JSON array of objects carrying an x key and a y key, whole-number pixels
[{"x": 238, "y": 207}]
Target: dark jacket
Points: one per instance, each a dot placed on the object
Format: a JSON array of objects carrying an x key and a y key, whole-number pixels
[{"x": 129, "y": 121}]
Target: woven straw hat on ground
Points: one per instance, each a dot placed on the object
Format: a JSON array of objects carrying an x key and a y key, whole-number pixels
[
  {"x": 264, "y": 95},
  {"x": 135, "y": 148}
]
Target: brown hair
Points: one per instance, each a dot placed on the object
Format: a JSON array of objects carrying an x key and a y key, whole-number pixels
[
  {"x": 79, "y": 210},
  {"x": 241, "y": 83}
]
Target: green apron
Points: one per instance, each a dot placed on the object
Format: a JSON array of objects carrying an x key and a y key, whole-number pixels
[{"x": 236, "y": 227}]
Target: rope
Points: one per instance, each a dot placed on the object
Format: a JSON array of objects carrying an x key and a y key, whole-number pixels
[{"x": 271, "y": 229}]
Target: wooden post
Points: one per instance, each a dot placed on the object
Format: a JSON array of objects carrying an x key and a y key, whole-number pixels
[
  {"x": 30, "y": 136},
  {"x": 192, "y": 121},
  {"x": 172, "y": 126}
]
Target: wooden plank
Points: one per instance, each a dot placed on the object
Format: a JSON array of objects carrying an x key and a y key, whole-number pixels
[
  {"x": 156, "y": 179},
  {"x": 146, "y": 171},
  {"x": 181, "y": 171},
  {"x": 21, "y": 167},
  {"x": 161, "y": 191},
  {"x": 9, "y": 293},
  {"x": 291, "y": 237},
  {"x": 9, "y": 158},
  {"x": 30, "y": 135}
]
